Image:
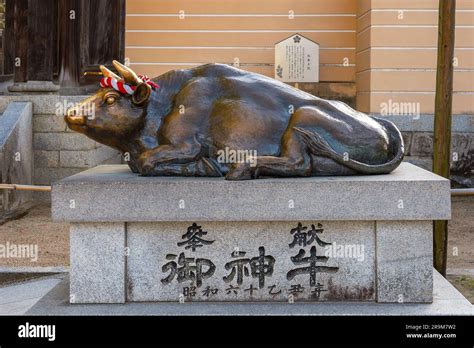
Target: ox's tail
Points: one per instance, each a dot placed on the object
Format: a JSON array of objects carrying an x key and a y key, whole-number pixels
[{"x": 320, "y": 147}]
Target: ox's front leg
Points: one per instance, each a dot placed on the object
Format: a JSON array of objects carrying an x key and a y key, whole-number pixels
[
  {"x": 176, "y": 154},
  {"x": 185, "y": 159},
  {"x": 201, "y": 167}
]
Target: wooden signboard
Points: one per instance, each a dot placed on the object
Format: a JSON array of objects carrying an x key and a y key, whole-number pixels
[{"x": 297, "y": 60}]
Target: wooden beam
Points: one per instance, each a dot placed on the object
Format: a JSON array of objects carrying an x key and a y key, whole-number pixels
[{"x": 442, "y": 122}]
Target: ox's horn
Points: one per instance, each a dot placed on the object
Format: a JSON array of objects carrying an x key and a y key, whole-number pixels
[
  {"x": 128, "y": 74},
  {"x": 107, "y": 73}
]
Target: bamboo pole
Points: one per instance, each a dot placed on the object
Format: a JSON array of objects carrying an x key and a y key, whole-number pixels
[
  {"x": 462, "y": 192},
  {"x": 25, "y": 187},
  {"x": 442, "y": 121}
]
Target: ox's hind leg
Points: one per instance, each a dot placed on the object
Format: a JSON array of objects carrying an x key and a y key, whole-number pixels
[{"x": 294, "y": 160}]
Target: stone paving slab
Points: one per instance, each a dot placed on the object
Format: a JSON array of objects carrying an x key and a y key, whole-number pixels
[
  {"x": 447, "y": 301},
  {"x": 18, "y": 298}
]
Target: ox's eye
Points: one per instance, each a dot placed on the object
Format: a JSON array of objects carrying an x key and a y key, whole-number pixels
[{"x": 111, "y": 98}]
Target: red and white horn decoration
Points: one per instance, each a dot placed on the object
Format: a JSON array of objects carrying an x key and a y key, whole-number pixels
[
  {"x": 124, "y": 88},
  {"x": 148, "y": 81}
]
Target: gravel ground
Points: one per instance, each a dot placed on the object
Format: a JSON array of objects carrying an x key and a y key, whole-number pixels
[
  {"x": 53, "y": 242},
  {"x": 37, "y": 228},
  {"x": 461, "y": 234}
]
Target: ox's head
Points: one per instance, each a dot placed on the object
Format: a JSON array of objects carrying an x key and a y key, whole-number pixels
[{"x": 116, "y": 111}]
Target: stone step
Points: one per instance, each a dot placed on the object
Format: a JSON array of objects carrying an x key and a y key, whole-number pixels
[{"x": 446, "y": 301}]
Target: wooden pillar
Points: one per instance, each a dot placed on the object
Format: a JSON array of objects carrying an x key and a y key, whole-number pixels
[
  {"x": 442, "y": 123},
  {"x": 40, "y": 30},
  {"x": 69, "y": 27},
  {"x": 9, "y": 47},
  {"x": 20, "y": 60}
]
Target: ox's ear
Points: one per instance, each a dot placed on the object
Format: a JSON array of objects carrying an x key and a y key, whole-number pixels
[{"x": 141, "y": 94}]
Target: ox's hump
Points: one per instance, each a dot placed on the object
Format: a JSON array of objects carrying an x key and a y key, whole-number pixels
[{"x": 217, "y": 70}]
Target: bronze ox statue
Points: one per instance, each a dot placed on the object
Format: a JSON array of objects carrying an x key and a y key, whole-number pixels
[{"x": 182, "y": 127}]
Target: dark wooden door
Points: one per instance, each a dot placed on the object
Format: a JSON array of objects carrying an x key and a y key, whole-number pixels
[
  {"x": 62, "y": 39},
  {"x": 95, "y": 36},
  {"x": 103, "y": 32}
]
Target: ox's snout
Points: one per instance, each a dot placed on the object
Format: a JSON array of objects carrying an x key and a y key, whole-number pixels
[
  {"x": 74, "y": 117},
  {"x": 78, "y": 114}
]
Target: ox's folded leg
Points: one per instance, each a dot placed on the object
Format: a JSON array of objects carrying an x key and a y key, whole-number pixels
[
  {"x": 283, "y": 166},
  {"x": 294, "y": 160},
  {"x": 201, "y": 167},
  {"x": 175, "y": 154},
  {"x": 239, "y": 171}
]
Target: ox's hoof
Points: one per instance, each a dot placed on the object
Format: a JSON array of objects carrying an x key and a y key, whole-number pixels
[
  {"x": 146, "y": 164},
  {"x": 147, "y": 171},
  {"x": 239, "y": 171}
]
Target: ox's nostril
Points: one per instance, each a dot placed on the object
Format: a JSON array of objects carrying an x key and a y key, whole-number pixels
[{"x": 71, "y": 112}]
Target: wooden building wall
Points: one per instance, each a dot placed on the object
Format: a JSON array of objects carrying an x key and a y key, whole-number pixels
[
  {"x": 363, "y": 41},
  {"x": 397, "y": 52},
  {"x": 158, "y": 40}
]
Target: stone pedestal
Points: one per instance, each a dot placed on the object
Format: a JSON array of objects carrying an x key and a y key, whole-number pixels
[
  {"x": 173, "y": 239},
  {"x": 16, "y": 159}
]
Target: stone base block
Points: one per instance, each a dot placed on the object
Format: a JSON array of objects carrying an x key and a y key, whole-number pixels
[
  {"x": 251, "y": 261},
  {"x": 274, "y": 261},
  {"x": 97, "y": 253},
  {"x": 404, "y": 261}
]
